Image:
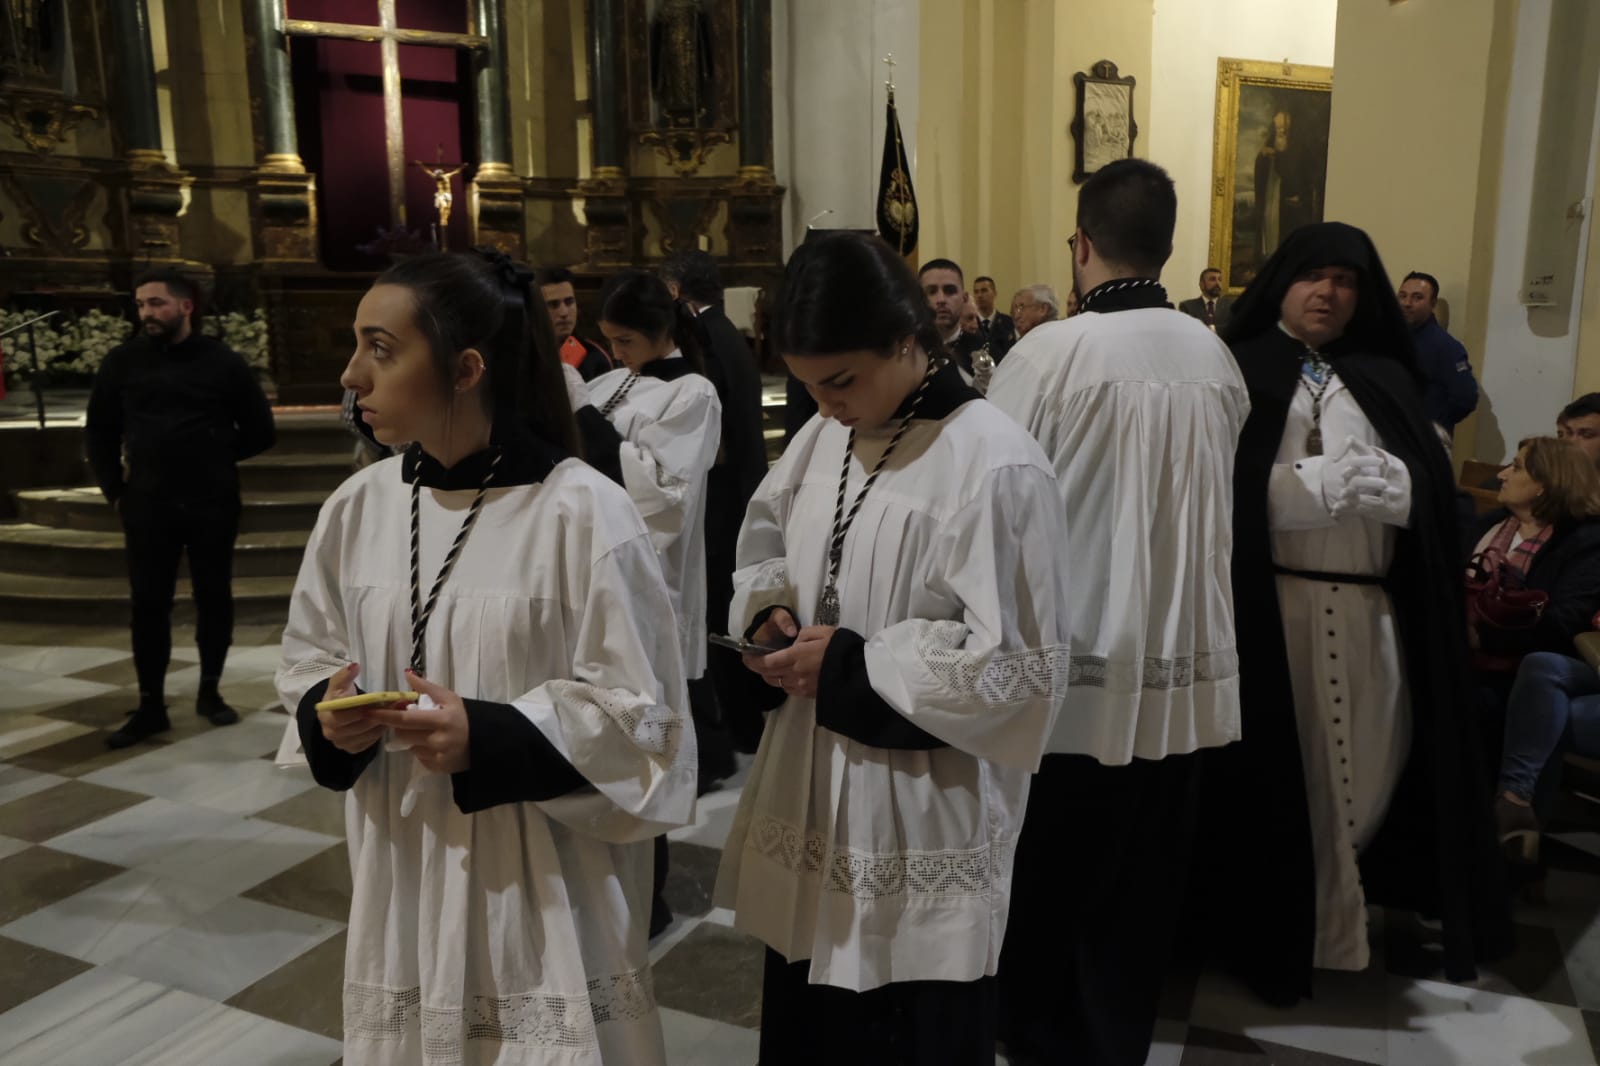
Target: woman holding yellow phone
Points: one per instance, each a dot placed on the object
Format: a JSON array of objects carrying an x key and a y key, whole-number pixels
[{"x": 508, "y": 601}]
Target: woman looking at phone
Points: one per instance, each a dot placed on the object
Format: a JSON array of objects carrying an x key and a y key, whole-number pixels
[
  {"x": 499, "y": 839},
  {"x": 909, "y": 543}
]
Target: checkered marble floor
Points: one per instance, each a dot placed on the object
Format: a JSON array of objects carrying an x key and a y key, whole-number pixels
[{"x": 182, "y": 903}]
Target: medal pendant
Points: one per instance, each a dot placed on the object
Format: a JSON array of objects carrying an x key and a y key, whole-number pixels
[
  {"x": 828, "y": 606},
  {"x": 1314, "y": 441}
]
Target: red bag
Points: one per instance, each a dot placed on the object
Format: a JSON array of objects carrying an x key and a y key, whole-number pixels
[{"x": 1498, "y": 598}]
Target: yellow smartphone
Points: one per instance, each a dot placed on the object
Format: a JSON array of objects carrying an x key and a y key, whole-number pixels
[{"x": 366, "y": 699}]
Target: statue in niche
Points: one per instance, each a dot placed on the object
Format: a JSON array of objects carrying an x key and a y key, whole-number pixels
[
  {"x": 681, "y": 61},
  {"x": 31, "y": 29}
]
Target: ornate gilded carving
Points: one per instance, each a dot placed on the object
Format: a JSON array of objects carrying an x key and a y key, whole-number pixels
[
  {"x": 683, "y": 221},
  {"x": 43, "y": 120},
  {"x": 54, "y": 209},
  {"x": 685, "y": 150}
]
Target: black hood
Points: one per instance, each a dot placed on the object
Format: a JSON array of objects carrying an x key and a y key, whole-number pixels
[{"x": 1377, "y": 328}]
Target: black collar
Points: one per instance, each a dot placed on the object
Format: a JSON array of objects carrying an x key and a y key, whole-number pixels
[
  {"x": 1124, "y": 294},
  {"x": 669, "y": 369},
  {"x": 527, "y": 460},
  {"x": 946, "y": 392}
]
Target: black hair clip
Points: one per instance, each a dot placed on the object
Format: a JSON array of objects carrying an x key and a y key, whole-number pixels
[{"x": 513, "y": 274}]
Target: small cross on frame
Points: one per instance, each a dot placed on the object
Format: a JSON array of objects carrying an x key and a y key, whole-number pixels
[{"x": 388, "y": 35}]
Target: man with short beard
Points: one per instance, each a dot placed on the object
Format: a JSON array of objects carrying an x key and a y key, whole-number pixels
[{"x": 186, "y": 409}]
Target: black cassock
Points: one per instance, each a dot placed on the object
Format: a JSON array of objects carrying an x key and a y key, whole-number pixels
[{"x": 1435, "y": 851}]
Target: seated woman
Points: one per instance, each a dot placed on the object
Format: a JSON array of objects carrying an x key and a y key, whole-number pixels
[
  {"x": 1554, "y": 706},
  {"x": 1550, "y": 533}
]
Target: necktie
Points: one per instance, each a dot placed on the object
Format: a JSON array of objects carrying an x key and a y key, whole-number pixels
[{"x": 1211, "y": 312}]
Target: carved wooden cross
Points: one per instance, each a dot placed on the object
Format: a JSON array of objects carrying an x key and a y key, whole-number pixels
[{"x": 389, "y": 37}]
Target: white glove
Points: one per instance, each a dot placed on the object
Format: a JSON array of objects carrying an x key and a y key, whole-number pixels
[
  {"x": 1367, "y": 482},
  {"x": 577, "y": 388}
]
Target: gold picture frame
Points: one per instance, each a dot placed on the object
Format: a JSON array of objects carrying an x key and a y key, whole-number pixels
[{"x": 1274, "y": 116}]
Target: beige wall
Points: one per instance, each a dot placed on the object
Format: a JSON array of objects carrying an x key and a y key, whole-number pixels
[
  {"x": 1189, "y": 39},
  {"x": 1414, "y": 148},
  {"x": 994, "y": 151}
]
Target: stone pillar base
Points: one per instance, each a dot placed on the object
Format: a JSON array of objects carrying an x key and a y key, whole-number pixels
[
  {"x": 283, "y": 212},
  {"x": 155, "y": 197},
  {"x": 755, "y": 218},
  {"x": 495, "y": 200},
  {"x": 610, "y": 219}
]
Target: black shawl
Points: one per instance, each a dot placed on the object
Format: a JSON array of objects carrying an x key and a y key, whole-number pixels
[{"x": 1436, "y": 851}]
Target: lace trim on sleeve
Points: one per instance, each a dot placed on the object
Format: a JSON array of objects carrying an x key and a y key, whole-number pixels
[
  {"x": 654, "y": 727},
  {"x": 315, "y": 668},
  {"x": 997, "y": 679}
]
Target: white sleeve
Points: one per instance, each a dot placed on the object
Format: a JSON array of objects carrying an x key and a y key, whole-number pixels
[
  {"x": 622, "y": 718},
  {"x": 316, "y": 642},
  {"x": 1018, "y": 390},
  {"x": 1295, "y": 499},
  {"x": 762, "y": 577},
  {"x": 663, "y": 458},
  {"x": 988, "y": 682}
]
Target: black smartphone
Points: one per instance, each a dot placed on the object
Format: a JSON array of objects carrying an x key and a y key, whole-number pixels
[{"x": 743, "y": 647}]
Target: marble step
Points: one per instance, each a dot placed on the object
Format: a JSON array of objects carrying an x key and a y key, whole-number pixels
[
  {"x": 85, "y": 508},
  {"x": 35, "y": 549},
  {"x": 54, "y": 600},
  {"x": 315, "y": 432},
  {"x": 278, "y": 471}
]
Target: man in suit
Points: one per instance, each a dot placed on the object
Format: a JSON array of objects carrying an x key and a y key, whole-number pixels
[
  {"x": 1210, "y": 307},
  {"x": 994, "y": 326},
  {"x": 560, "y": 297},
  {"x": 695, "y": 280}
]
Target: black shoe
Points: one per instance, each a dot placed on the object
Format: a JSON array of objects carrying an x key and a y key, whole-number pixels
[
  {"x": 142, "y": 726},
  {"x": 211, "y": 707}
]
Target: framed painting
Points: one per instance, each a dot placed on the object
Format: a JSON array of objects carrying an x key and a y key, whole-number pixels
[
  {"x": 1269, "y": 160},
  {"x": 1104, "y": 129}
]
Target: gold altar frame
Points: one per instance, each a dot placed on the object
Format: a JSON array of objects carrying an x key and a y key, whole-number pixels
[{"x": 1234, "y": 76}]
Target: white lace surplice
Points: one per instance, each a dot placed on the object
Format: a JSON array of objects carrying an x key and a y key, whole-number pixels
[
  {"x": 893, "y": 865},
  {"x": 518, "y": 933},
  {"x": 1141, "y": 412},
  {"x": 671, "y": 431}
]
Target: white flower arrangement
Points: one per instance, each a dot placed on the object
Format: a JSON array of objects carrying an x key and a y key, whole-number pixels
[
  {"x": 73, "y": 348},
  {"x": 245, "y": 334}
]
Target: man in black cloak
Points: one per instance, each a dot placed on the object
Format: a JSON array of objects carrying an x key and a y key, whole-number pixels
[{"x": 1426, "y": 842}]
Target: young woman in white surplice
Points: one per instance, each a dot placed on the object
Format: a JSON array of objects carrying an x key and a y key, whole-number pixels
[
  {"x": 499, "y": 839},
  {"x": 664, "y": 422},
  {"x": 872, "y": 846}
]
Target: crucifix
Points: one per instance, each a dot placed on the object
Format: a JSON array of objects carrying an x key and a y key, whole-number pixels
[{"x": 389, "y": 37}]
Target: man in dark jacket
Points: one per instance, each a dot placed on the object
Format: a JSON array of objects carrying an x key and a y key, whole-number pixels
[
  {"x": 694, "y": 279},
  {"x": 184, "y": 408},
  {"x": 1452, "y": 392}
]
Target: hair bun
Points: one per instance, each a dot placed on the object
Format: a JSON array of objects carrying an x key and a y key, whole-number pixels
[{"x": 513, "y": 275}]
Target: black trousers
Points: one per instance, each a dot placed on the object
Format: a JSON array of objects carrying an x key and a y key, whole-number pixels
[
  {"x": 157, "y": 532},
  {"x": 909, "y": 1023},
  {"x": 1096, "y": 896}
]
